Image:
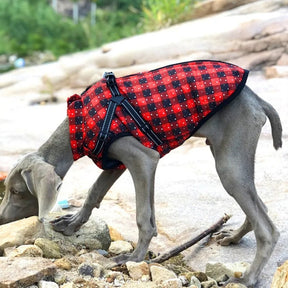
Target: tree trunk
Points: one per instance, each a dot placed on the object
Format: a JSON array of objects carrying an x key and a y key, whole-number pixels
[
  {"x": 76, "y": 12},
  {"x": 93, "y": 13}
]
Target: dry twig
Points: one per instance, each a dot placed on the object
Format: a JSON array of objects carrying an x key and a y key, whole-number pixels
[{"x": 193, "y": 241}]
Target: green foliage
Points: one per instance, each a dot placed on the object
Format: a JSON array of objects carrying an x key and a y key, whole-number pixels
[
  {"x": 32, "y": 25},
  {"x": 111, "y": 25},
  {"x": 159, "y": 14}
]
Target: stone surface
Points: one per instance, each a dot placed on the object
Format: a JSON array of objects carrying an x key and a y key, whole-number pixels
[
  {"x": 114, "y": 234},
  {"x": 68, "y": 285},
  {"x": 201, "y": 276},
  {"x": 16, "y": 233},
  {"x": 94, "y": 257},
  {"x": 137, "y": 284},
  {"x": 47, "y": 284},
  {"x": 24, "y": 251},
  {"x": 211, "y": 283},
  {"x": 280, "y": 278},
  {"x": 283, "y": 60},
  {"x": 23, "y": 271},
  {"x": 86, "y": 270},
  {"x": 120, "y": 247},
  {"x": 171, "y": 283},
  {"x": 160, "y": 273},
  {"x": 236, "y": 285},
  {"x": 63, "y": 263},
  {"x": 50, "y": 249},
  {"x": 93, "y": 235},
  {"x": 219, "y": 271},
  {"x": 276, "y": 71},
  {"x": 194, "y": 281},
  {"x": 138, "y": 270}
]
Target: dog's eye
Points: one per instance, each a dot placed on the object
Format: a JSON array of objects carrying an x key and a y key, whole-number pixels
[{"x": 13, "y": 191}]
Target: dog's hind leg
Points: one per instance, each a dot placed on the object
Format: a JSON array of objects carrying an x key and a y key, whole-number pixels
[
  {"x": 235, "y": 167},
  {"x": 141, "y": 163},
  {"x": 228, "y": 237},
  {"x": 240, "y": 186},
  {"x": 70, "y": 223}
]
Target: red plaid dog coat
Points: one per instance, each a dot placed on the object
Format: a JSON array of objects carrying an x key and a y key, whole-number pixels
[{"x": 174, "y": 100}]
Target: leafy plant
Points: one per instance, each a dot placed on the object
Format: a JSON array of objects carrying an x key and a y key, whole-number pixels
[
  {"x": 30, "y": 25},
  {"x": 159, "y": 14},
  {"x": 112, "y": 25}
]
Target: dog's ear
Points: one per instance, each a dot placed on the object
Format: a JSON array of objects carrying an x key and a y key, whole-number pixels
[{"x": 44, "y": 184}]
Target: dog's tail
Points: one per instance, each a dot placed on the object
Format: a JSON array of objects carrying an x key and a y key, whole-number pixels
[{"x": 275, "y": 122}]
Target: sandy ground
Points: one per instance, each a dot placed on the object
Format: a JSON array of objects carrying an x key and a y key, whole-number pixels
[{"x": 189, "y": 197}]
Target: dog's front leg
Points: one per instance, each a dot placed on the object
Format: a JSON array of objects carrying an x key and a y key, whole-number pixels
[
  {"x": 141, "y": 163},
  {"x": 68, "y": 224}
]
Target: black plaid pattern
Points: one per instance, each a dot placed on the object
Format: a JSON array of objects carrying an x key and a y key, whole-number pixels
[{"x": 174, "y": 100}]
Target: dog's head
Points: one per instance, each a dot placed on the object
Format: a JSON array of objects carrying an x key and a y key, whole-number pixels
[{"x": 31, "y": 188}]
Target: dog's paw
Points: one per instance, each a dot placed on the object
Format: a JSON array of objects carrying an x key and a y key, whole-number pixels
[
  {"x": 121, "y": 259},
  {"x": 67, "y": 224},
  {"x": 227, "y": 237}
]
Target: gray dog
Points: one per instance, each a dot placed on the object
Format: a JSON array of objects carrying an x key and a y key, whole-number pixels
[{"x": 232, "y": 133}]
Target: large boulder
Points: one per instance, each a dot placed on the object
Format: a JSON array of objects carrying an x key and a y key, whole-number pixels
[
  {"x": 24, "y": 271},
  {"x": 92, "y": 235},
  {"x": 18, "y": 232}
]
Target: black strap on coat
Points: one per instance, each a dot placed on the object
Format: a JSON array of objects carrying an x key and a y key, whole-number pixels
[{"x": 118, "y": 99}]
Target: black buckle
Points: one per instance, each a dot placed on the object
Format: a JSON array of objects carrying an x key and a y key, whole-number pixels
[
  {"x": 117, "y": 99},
  {"x": 102, "y": 136},
  {"x": 110, "y": 78}
]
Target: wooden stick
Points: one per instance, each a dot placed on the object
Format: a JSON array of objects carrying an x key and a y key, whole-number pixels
[{"x": 193, "y": 241}]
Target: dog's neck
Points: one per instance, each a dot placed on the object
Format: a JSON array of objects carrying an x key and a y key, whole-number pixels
[{"x": 57, "y": 150}]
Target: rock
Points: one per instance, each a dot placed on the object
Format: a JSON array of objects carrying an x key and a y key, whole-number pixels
[
  {"x": 237, "y": 285},
  {"x": 68, "y": 285},
  {"x": 115, "y": 277},
  {"x": 50, "y": 249},
  {"x": 139, "y": 284},
  {"x": 183, "y": 280},
  {"x": 47, "y": 284},
  {"x": 138, "y": 270},
  {"x": 280, "y": 277},
  {"x": 98, "y": 270},
  {"x": 195, "y": 281},
  {"x": 24, "y": 251},
  {"x": 63, "y": 264},
  {"x": 86, "y": 270},
  {"x": 120, "y": 247},
  {"x": 220, "y": 271},
  {"x": 92, "y": 235},
  {"x": 171, "y": 283},
  {"x": 276, "y": 71},
  {"x": 160, "y": 274},
  {"x": 256, "y": 60},
  {"x": 211, "y": 283},
  {"x": 24, "y": 271},
  {"x": 94, "y": 257},
  {"x": 91, "y": 269},
  {"x": 114, "y": 234},
  {"x": 208, "y": 7},
  {"x": 201, "y": 276},
  {"x": 283, "y": 61},
  {"x": 16, "y": 233}
]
